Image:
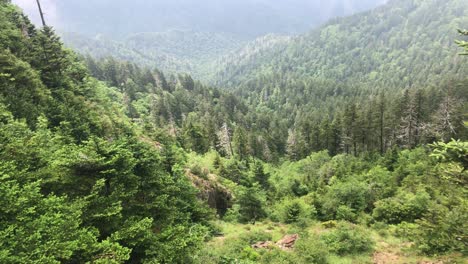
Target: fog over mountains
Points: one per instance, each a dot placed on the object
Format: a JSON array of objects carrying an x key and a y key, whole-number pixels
[{"x": 244, "y": 18}]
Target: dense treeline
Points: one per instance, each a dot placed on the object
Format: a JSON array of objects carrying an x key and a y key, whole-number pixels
[
  {"x": 79, "y": 182},
  {"x": 97, "y": 159},
  {"x": 326, "y": 117}
]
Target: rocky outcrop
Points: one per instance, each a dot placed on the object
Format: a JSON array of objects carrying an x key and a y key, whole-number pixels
[
  {"x": 263, "y": 245},
  {"x": 213, "y": 193},
  {"x": 286, "y": 243}
]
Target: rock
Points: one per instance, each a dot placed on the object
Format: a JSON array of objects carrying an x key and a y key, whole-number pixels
[
  {"x": 263, "y": 244},
  {"x": 213, "y": 193},
  {"x": 287, "y": 242}
]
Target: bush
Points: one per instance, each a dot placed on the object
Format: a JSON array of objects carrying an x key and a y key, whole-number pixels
[
  {"x": 199, "y": 171},
  {"x": 311, "y": 250},
  {"x": 249, "y": 253},
  {"x": 294, "y": 210},
  {"x": 329, "y": 224},
  {"x": 256, "y": 236},
  {"x": 251, "y": 202},
  {"x": 443, "y": 230},
  {"x": 348, "y": 239},
  {"x": 232, "y": 214},
  {"x": 352, "y": 194},
  {"x": 345, "y": 213},
  {"x": 278, "y": 256},
  {"x": 405, "y": 206}
]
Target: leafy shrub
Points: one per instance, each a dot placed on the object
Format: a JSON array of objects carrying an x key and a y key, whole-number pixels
[
  {"x": 249, "y": 253},
  {"x": 353, "y": 194},
  {"x": 345, "y": 213},
  {"x": 311, "y": 250},
  {"x": 256, "y": 236},
  {"x": 403, "y": 207},
  {"x": 348, "y": 239},
  {"x": 406, "y": 230},
  {"x": 199, "y": 171},
  {"x": 442, "y": 230},
  {"x": 232, "y": 214},
  {"x": 294, "y": 210},
  {"x": 329, "y": 224},
  {"x": 279, "y": 256},
  {"x": 381, "y": 228}
]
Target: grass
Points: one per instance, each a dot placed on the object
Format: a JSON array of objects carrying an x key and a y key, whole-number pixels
[{"x": 388, "y": 249}]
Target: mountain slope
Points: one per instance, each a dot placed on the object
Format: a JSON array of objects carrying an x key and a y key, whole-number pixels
[
  {"x": 171, "y": 51},
  {"x": 397, "y": 45}
]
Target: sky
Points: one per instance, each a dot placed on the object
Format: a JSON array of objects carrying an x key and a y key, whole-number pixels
[{"x": 48, "y": 6}]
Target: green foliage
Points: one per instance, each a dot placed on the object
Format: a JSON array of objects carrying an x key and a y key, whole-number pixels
[
  {"x": 455, "y": 151},
  {"x": 251, "y": 202},
  {"x": 347, "y": 197},
  {"x": 104, "y": 164},
  {"x": 48, "y": 229},
  {"x": 80, "y": 182},
  {"x": 404, "y": 206},
  {"x": 348, "y": 239},
  {"x": 294, "y": 210},
  {"x": 442, "y": 230},
  {"x": 310, "y": 249}
]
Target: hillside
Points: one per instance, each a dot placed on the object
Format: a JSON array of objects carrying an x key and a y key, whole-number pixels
[
  {"x": 394, "y": 46},
  {"x": 80, "y": 182},
  {"x": 109, "y": 161},
  {"x": 172, "y": 51}
]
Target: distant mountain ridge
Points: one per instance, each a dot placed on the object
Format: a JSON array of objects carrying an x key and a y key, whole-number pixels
[{"x": 396, "y": 45}]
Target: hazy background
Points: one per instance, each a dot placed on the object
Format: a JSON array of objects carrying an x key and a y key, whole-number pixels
[{"x": 242, "y": 18}]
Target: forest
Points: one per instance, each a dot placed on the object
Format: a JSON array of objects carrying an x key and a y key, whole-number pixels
[{"x": 346, "y": 144}]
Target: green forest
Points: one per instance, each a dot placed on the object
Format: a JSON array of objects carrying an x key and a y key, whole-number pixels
[{"x": 346, "y": 144}]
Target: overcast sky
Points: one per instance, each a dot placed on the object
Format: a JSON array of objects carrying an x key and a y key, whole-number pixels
[{"x": 30, "y": 7}]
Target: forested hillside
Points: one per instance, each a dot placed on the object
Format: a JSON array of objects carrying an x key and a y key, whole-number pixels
[
  {"x": 79, "y": 182},
  {"x": 181, "y": 36},
  {"x": 173, "y": 51},
  {"x": 395, "y": 46},
  {"x": 344, "y": 145}
]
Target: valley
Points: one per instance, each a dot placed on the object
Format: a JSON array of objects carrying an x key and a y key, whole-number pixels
[{"x": 335, "y": 133}]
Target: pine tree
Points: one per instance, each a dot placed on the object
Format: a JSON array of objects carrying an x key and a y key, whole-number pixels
[{"x": 240, "y": 143}]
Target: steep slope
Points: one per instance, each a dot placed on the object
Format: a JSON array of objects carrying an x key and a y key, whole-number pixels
[
  {"x": 79, "y": 182},
  {"x": 395, "y": 46}
]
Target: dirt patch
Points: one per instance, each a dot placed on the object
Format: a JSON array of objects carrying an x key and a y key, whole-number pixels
[{"x": 385, "y": 258}]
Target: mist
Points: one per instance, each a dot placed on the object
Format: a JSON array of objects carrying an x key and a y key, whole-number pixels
[{"x": 244, "y": 18}]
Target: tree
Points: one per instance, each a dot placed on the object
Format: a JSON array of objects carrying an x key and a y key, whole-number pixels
[
  {"x": 251, "y": 201},
  {"x": 37, "y": 228},
  {"x": 448, "y": 119},
  {"x": 240, "y": 143},
  {"x": 260, "y": 175},
  {"x": 224, "y": 140}
]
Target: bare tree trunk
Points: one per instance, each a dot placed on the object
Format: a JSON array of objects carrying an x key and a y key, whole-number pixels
[{"x": 41, "y": 13}]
